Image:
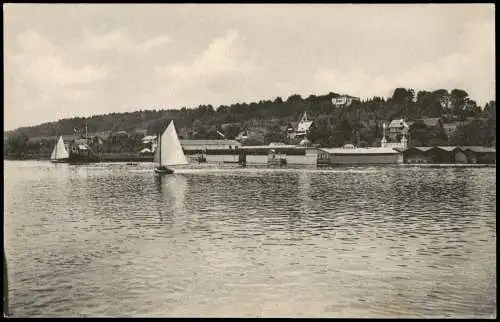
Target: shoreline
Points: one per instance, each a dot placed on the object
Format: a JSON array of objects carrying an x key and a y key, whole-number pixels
[{"x": 147, "y": 159}]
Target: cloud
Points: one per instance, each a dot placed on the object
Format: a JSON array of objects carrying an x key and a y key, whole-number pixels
[
  {"x": 41, "y": 81},
  {"x": 216, "y": 71},
  {"x": 469, "y": 68},
  {"x": 119, "y": 40},
  {"x": 84, "y": 60},
  {"x": 224, "y": 55},
  {"x": 41, "y": 63}
]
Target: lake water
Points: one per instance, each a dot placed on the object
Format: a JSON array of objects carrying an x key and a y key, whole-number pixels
[{"x": 113, "y": 240}]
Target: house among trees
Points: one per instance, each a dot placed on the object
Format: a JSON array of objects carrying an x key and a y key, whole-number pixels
[
  {"x": 344, "y": 100},
  {"x": 149, "y": 144},
  {"x": 397, "y": 127},
  {"x": 301, "y": 129}
]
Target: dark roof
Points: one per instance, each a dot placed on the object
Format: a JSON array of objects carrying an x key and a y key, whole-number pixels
[
  {"x": 420, "y": 148},
  {"x": 477, "y": 149}
]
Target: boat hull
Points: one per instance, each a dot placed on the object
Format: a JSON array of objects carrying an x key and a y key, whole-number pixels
[
  {"x": 66, "y": 160},
  {"x": 75, "y": 157},
  {"x": 163, "y": 171}
]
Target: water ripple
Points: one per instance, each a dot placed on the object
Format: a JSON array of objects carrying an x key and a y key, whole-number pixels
[{"x": 112, "y": 240}]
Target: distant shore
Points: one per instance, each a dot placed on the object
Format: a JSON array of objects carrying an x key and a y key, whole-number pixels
[
  {"x": 105, "y": 157},
  {"x": 253, "y": 159}
]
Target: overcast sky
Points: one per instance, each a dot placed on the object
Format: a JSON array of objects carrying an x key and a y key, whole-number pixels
[{"x": 81, "y": 60}]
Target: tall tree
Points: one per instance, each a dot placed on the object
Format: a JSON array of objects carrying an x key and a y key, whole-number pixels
[
  {"x": 458, "y": 98},
  {"x": 402, "y": 95}
]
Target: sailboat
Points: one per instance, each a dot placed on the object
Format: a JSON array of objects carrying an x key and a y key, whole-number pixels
[
  {"x": 169, "y": 151},
  {"x": 59, "y": 153}
]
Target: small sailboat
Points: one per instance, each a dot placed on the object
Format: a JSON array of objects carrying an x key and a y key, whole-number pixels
[
  {"x": 169, "y": 151},
  {"x": 59, "y": 153}
]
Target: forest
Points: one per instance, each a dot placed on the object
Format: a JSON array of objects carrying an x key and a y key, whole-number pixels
[{"x": 267, "y": 120}]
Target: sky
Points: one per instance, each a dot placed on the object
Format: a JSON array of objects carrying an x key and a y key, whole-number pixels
[{"x": 68, "y": 60}]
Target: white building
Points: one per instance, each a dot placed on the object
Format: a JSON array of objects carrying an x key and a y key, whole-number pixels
[
  {"x": 344, "y": 100},
  {"x": 394, "y": 145},
  {"x": 397, "y": 127},
  {"x": 302, "y": 128}
]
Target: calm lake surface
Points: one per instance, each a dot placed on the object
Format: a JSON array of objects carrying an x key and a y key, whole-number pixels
[{"x": 113, "y": 240}]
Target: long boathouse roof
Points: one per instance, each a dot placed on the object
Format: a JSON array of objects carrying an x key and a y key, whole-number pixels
[
  {"x": 209, "y": 144},
  {"x": 279, "y": 146},
  {"x": 361, "y": 151}
]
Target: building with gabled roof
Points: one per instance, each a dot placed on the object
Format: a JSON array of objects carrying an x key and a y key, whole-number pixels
[
  {"x": 301, "y": 129},
  {"x": 397, "y": 127}
]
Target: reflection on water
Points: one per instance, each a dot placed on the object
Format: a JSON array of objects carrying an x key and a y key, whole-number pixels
[{"x": 110, "y": 239}]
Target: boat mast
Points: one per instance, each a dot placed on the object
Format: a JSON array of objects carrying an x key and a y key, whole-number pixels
[{"x": 159, "y": 150}]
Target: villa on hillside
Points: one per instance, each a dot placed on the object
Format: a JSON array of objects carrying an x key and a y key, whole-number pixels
[
  {"x": 300, "y": 130},
  {"x": 344, "y": 100},
  {"x": 397, "y": 127}
]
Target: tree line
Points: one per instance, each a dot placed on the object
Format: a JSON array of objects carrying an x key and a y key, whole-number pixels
[{"x": 267, "y": 121}]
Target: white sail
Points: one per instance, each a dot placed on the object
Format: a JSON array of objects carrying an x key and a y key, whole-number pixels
[
  {"x": 170, "y": 149},
  {"x": 59, "y": 151}
]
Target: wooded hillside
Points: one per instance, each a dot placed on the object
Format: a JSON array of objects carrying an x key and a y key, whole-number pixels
[{"x": 267, "y": 120}]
